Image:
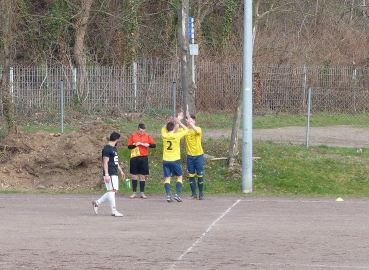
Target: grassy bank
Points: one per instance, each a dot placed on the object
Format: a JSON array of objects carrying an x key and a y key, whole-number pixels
[{"x": 287, "y": 170}]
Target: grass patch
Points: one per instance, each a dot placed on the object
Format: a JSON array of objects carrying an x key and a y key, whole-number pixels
[
  {"x": 282, "y": 170},
  {"x": 317, "y": 171}
]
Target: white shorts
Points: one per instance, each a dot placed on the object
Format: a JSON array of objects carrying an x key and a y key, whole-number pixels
[{"x": 113, "y": 184}]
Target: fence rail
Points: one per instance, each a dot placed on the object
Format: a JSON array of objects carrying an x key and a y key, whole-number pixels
[{"x": 148, "y": 86}]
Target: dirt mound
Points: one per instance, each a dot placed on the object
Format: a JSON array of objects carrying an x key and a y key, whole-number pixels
[{"x": 60, "y": 162}]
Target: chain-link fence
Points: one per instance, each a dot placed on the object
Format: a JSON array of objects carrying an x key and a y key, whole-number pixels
[{"x": 148, "y": 86}]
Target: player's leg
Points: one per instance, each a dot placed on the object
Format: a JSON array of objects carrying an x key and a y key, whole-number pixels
[
  {"x": 167, "y": 176},
  {"x": 199, "y": 164},
  {"x": 191, "y": 175},
  {"x": 114, "y": 188},
  {"x": 105, "y": 197},
  {"x": 144, "y": 170},
  {"x": 142, "y": 186},
  {"x": 177, "y": 171},
  {"x": 179, "y": 185},
  {"x": 111, "y": 198},
  {"x": 134, "y": 175}
]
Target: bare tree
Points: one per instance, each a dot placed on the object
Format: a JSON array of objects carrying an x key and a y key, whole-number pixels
[
  {"x": 202, "y": 9},
  {"x": 81, "y": 29},
  {"x": 7, "y": 19}
]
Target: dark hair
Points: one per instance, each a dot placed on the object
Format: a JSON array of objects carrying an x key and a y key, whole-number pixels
[
  {"x": 170, "y": 126},
  {"x": 141, "y": 126},
  {"x": 193, "y": 116},
  {"x": 114, "y": 136}
]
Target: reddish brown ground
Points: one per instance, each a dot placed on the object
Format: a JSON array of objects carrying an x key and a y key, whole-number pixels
[{"x": 44, "y": 161}]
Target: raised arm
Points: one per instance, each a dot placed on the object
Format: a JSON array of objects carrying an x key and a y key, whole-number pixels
[
  {"x": 191, "y": 123},
  {"x": 170, "y": 119},
  {"x": 178, "y": 121},
  {"x": 180, "y": 118}
]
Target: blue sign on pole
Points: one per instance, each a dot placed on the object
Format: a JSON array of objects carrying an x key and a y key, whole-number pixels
[{"x": 191, "y": 31}]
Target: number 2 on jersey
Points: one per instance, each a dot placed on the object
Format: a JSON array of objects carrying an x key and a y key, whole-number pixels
[{"x": 169, "y": 145}]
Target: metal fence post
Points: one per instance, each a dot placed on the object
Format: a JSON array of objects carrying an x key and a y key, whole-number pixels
[
  {"x": 354, "y": 88},
  {"x": 308, "y": 118},
  {"x": 11, "y": 80},
  {"x": 61, "y": 107},
  {"x": 135, "y": 84},
  {"x": 174, "y": 98},
  {"x": 304, "y": 87},
  {"x": 74, "y": 84}
]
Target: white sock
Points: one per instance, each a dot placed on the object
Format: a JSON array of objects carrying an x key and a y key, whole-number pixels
[
  {"x": 112, "y": 201},
  {"x": 103, "y": 198}
]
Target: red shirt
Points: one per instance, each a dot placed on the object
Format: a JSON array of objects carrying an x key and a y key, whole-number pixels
[{"x": 140, "y": 151}]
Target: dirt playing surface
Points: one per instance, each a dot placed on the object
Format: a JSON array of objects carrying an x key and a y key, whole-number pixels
[
  {"x": 46, "y": 231},
  {"x": 44, "y": 161}
]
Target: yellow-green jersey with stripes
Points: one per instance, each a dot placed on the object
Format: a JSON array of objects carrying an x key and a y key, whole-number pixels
[
  {"x": 193, "y": 141},
  {"x": 171, "y": 144}
]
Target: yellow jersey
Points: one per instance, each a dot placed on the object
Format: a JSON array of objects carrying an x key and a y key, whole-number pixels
[
  {"x": 193, "y": 141},
  {"x": 171, "y": 144}
]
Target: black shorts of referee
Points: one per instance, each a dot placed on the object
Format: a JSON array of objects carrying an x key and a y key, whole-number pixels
[{"x": 139, "y": 165}]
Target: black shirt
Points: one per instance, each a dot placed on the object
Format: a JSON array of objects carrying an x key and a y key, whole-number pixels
[{"x": 112, "y": 153}]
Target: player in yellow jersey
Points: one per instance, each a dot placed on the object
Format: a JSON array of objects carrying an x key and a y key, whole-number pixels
[
  {"x": 195, "y": 155},
  {"x": 172, "y": 156}
]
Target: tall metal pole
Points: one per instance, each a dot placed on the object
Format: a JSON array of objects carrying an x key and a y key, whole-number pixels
[
  {"x": 308, "y": 118},
  {"x": 247, "y": 100}
]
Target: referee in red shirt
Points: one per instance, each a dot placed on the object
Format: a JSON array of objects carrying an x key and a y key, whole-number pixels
[{"x": 138, "y": 143}]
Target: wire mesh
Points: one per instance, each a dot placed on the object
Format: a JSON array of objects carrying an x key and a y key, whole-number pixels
[{"x": 148, "y": 87}]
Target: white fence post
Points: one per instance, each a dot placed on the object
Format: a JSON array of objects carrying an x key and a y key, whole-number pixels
[
  {"x": 354, "y": 87},
  {"x": 135, "y": 84},
  {"x": 74, "y": 83},
  {"x": 308, "y": 118},
  {"x": 304, "y": 87},
  {"x": 11, "y": 80}
]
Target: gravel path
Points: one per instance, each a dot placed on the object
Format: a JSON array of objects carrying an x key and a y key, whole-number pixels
[{"x": 344, "y": 136}]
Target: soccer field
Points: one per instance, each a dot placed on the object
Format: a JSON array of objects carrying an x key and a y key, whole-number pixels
[{"x": 221, "y": 232}]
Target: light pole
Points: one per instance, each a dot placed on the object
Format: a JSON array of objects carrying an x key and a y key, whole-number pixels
[{"x": 247, "y": 100}]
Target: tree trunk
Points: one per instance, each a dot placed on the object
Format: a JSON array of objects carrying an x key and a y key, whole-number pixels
[
  {"x": 132, "y": 29},
  {"x": 188, "y": 87},
  {"x": 81, "y": 29},
  {"x": 233, "y": 148},
  {"x": 7, "y": 18}
]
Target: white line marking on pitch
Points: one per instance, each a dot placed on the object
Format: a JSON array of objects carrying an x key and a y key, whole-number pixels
[{"x": 203, "y": 235}]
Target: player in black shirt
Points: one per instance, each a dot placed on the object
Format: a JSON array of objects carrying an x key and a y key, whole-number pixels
[{"x": 110, "y": 174}]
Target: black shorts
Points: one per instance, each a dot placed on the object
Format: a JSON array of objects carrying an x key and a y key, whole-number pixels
[{"x": 139, "y": 165}]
